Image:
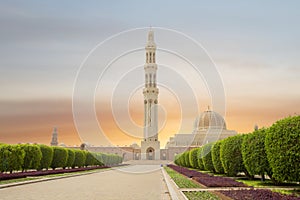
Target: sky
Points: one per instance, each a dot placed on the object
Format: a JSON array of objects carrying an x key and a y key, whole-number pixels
[{"x": 253, "y": 47}]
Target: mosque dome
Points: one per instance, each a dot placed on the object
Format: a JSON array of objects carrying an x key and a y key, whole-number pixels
[{"x": 209, "y": 120}]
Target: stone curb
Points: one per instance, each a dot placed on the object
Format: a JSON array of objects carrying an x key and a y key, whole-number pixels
[{"x": 172, "y": 187}]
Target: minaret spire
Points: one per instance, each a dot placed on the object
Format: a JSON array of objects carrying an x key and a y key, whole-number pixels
[{"x": 150, "y": 146}]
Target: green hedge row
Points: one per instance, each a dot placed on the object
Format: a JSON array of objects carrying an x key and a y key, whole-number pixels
[
  {"x": 37, "y": 157},
  {"x": 274, "y": 151}
]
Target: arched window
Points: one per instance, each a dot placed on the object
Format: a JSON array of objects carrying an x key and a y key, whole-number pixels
[
  {"x": 153, "y": 57},
  {"x": 147, "y": 58}
]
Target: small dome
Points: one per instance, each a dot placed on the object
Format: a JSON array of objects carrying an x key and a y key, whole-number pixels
[{"x": 209, "y": 120}]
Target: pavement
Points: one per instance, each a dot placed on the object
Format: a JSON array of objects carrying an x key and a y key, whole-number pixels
[{"x": 130, "y": 182}]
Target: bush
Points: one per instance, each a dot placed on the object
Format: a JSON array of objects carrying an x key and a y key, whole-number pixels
[
  {"x": 283, "y": 149},
  {"x": 187, "y": 159},
  {"x": 47, "y": 156},
  {"x": 231, "y": 156},
  {"x": 71, "y": 158},
  {"x": 79, "y": 158},
  {"x": 60, "y": 157},
  {"x": 200, "y": 161},
  {"x": 90, "y": 159},
  {"x": 193, "y": 158},
  {"x": 207, "y": 160},
  {"x": 215, "y": 155},
  {"x": 11, "y": 158},
  {"x": 33, "y": 156},
  {"x": 254, "y": 154},
  {"x": 98, "y": 159}
]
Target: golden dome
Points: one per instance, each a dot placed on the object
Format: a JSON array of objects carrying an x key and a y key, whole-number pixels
[{"x": 209, "y": 120}]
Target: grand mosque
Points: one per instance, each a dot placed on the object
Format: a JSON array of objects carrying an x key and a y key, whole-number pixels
[{"x": 209, "y": 126}]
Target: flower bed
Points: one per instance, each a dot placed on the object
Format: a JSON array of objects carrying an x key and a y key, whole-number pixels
[
  {"x": 206, "y": 179},
  {"x": 5, "y": 176},
  {"x": 257, "y": 194}
]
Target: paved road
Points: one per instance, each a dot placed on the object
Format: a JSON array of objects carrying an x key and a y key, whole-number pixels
[{"x": 130, "y": 183}]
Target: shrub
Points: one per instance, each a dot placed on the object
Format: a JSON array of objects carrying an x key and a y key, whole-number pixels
[
  {"x": 200, "y": 161},
  {"x": 47, "y": 156},
  {"x": 71, "y": 158},
  {"x": 187, "y": 159},
  {"x": 254, "y": 154},
  {"x": 193, "y": 158},
  {"x": 11, "y": 157},
  {"x": 90, "y": 159},
  {"x": 215, "y": 155},
  {"x": 60, "y": 157},
  {"x": 33, "y": 156},
  {"x": 283, "y": 149},
  {"x": 231, "y": 156},
  {"x": 207, "y": 160},
  {"x": 79, "y": 158},
  {"x": 98, "y": 159}
]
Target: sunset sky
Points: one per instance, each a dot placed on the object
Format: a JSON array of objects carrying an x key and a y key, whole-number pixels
[{"x": 254, "y": 45}]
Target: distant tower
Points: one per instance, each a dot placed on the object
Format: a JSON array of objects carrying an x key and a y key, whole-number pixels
[
  {"x": 54, "y": 141},
  {"x": 150, "y": 147},
  {"x": 255, "y": 127}
]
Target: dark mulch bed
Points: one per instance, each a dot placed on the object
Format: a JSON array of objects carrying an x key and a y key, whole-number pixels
[
  {"x": 257, "y": 194},
  {"x": 206, "y": 179},
  {"x": 5, "y": 176}
]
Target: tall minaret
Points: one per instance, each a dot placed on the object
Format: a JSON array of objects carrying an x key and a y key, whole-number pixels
[
  {"x": 150, "y": 147},
  {"x": 54, "y": 141}
]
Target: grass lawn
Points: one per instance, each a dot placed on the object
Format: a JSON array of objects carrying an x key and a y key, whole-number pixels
[
  {"x": 180, "y": 180},
  {"x": 288, "y": 192},
  {"x": 201, "y": 195},
  {"x": 17, "y": 180}
]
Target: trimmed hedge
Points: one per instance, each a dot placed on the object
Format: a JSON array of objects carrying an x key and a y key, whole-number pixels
[
  {"x": 207, "y": 160},
  {"x": 200, "y": 161},
  {"x": 79, "y": 158},
  {"x": 254, "y": 154},
  {"x": 47, "y": 156},
  {"x": 39, "y": 157},
  {"x": 90, "y": 159},
  {"x": 71, "y": 158},
  {"x": 275, "y": 151},
  {"x": 231, "y": 156},
  {"x": 193, "y": 158},
  {"x": 215, "y": 155},
  {"x": 60, "y": 157},
  {"x": 33, "y": 156},
  {"x": 283, "y": 149},
  {"x": 187, "y": 159},
  {"x": 11, "y": 158}
]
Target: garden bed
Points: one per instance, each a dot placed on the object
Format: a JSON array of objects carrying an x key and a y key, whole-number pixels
[
  {"x": 6, "y": 176},
  {"x": 206, "y": 179},
  {"x": 257, "y": 194}
]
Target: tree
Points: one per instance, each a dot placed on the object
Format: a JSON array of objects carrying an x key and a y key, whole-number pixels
[
  {"x": 71, "y": 158},
  {"x": 193, "y": 158},
  {"x": 187, "y": 159},
  {"x": 254, "y": 154},
  {"x": 60, "y": 157},
  {"x": 283, "y": 149},
  {"x": 90, "y": 159},
  {"x": 11, "y": 157},
  {"x": 231, "y": 156},
  {"x": 47, "y": 156},
  {"x": 79, "y": 158},
  {"x": 33, "y": 156},
  {"x": 207, "y": 160},
  {"x": 215, "y": 155},
  {"x": 200, "y": 156}
]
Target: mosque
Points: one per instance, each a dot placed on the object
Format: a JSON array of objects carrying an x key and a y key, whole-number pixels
[{"x": 209, "y": 126}]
